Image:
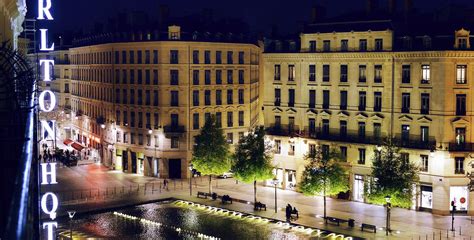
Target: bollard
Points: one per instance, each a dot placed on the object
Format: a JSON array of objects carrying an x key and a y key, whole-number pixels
[{"x": 460, "y": 230}]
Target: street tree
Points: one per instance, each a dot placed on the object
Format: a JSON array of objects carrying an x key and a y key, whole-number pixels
[
  {"x": 252, "y": 159},
  {"x": 393, "y": 175},
  {"x": 211, "y": 155},
  {"x": 324, "y": 175}
]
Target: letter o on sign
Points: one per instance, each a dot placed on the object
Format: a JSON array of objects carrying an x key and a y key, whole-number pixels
[{"x": 42, "y": 104}]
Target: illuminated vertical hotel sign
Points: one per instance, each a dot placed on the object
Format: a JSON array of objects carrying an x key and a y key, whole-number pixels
[{"x": 49, "y": 201}]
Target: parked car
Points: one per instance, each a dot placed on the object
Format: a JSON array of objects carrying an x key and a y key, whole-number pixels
[{"x": 226, "y": 175}]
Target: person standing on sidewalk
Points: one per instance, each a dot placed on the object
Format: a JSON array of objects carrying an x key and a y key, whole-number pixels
[
  {"x": 165, "y": 184},
  {"x": 288, "y": 212}
]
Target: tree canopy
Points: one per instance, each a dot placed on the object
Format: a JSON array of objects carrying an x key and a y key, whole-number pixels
[
  {"x": 324, "y": 175},
  {"x": 393, "y": 175},
  {"x": 211, "y": 155},
  {"x": 252, "y": 159}
]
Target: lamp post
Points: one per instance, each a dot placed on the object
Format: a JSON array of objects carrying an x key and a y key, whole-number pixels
[
  {"x": 389, "y": 206},
  {"x": 275, "y": 183},
  {"x": 71, "y": 215},
  {"x": 453, "y": 205},
  {"x": 191, "y": 168}
]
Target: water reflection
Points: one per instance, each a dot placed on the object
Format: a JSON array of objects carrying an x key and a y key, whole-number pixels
[{"x": 108, "y": 225}]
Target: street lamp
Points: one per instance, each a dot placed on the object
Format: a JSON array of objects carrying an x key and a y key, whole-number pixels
[
  {"x": 191, "y": 168},
  {"x": 71, "y": 215},
  {"x": 389, "y": 206},
  {"x": 102, "y": 126},
  {"x": 275, "y": 182}
]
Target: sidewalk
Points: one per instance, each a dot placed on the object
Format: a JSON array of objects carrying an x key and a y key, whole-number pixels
[{"x": 410, "y": 224}]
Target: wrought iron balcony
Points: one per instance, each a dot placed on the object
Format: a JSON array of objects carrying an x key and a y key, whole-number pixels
[
  {"x": 336, "y": 135},
  {"x": 283, "y": 130},
  {"x": 177, "y": 129},
  {"x": 415, "y": 142},
  {"x": 461, "y": 147}
]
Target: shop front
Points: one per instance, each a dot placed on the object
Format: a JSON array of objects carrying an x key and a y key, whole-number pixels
[
  {"x": 152, "y": 167},
  {"x": 459, "y": 195},
  {"x": 426, "y": 198},
  {"x": 358, "y": 188},
  {"x": 290, "y": 177},
  {"x": 140, "y": 163}
]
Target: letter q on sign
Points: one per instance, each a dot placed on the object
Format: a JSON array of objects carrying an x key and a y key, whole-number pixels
[{"x": 54, "y": 204}]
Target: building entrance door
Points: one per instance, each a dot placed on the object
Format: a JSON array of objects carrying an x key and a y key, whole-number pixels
[
  {"x": 174, "y": 168},
  {"x": 134, "y": 162}
]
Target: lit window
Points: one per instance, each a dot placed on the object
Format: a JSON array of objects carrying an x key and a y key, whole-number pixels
[{"x": 461, "y": 74}]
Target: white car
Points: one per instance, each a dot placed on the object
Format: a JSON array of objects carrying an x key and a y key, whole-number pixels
[{"x": 226, "y": 175}]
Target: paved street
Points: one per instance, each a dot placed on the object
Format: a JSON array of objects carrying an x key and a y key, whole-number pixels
[{"x": 119, "y": 189}]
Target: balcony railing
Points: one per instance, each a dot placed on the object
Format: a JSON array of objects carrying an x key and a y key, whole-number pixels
[
  {"x": 283, "y": 130},
  {"x": 413, "y": 142},
  {"x": 173, "y": 129},
  {"x": 461, "y": 147}
]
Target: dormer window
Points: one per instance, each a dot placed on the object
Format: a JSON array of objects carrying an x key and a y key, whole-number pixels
[
  {"x": 426, "y": 42},
  {"x": 174, "y": 32},
  {"x": 462, "y": 39},
  {"x": 407, "y": 43},
  {"x": 462, "y": 43}
]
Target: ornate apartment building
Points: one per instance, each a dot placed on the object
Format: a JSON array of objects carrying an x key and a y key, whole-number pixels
[
  {"x": 142, "y": 101},
  {"x": 345, "y": 86},
  {"x": 350, "y": 85}
]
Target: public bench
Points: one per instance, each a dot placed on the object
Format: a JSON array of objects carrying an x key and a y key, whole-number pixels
[
  {"x": 369, "y": 227},
  {"x": 338, "y": 221},
  {"x": 203, "y": 194}
]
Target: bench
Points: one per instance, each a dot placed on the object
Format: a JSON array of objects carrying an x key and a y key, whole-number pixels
[
  {"x": 369, "y": 226},
  {"x": 259, "y": 206},
  {"x": 203, "y": 194},
  {"x": 335, "y": 220}
]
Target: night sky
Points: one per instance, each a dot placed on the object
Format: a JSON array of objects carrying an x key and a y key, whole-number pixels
[{"x": 259, "y": 14}]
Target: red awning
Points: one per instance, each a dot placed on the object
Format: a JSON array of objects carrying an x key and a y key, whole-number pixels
[
  {"x": 68, "y": 141},
  {"x": 77, "y": 146}
]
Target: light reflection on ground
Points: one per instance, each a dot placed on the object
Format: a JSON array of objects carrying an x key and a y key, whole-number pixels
[{"x": 107, "y": 225}]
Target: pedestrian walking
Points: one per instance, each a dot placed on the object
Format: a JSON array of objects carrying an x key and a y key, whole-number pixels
[
  {"x": 288, "y": 212},
  {"x": 165, "y": 184}
]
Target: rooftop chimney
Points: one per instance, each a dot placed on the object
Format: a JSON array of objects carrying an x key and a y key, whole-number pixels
[
  {"x": 317, "y": 13},
  {"x": 392, "y": 4},
  {"x": 370, "y": 7},
  {"x": 408, "y": 5}
]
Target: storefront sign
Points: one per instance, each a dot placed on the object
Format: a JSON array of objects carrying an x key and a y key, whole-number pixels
[{"x": 49, "y": 201}]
